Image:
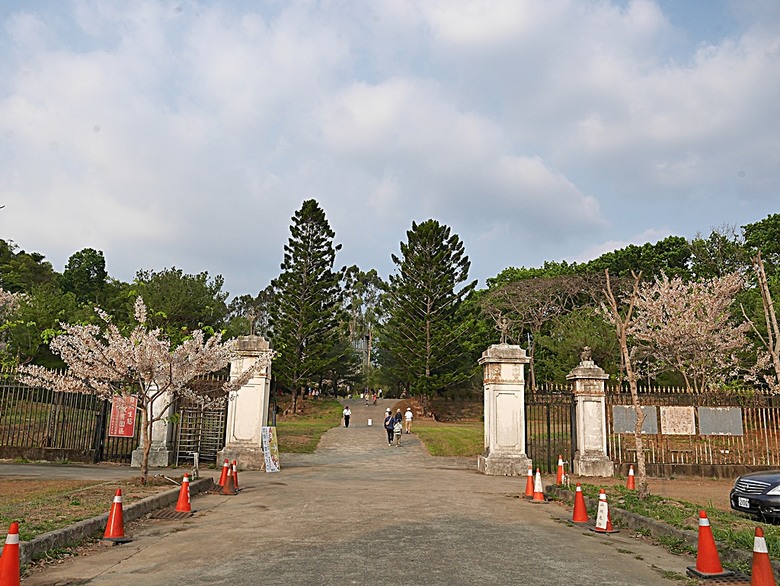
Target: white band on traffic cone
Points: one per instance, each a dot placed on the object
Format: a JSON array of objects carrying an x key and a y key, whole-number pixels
[
  {"x": 118, "y": 498},
  {"x": 759, "y": 545},
  {"x": 13, "y": 539},
  {"x": 704, "y": 522}
]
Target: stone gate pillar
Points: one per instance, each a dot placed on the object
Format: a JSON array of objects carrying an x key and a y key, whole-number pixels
[
  {"x": 504, "y": 393},
  {"x": 590, "y": 458},
  {"x": 161, "y": 453},
  {"x": 248, "y": 410}
]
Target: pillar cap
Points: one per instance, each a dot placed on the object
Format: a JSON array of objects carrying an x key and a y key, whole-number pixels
[
  {"x": 505, "y": 353},
  {"x": 587, "y": 369},
  {"x": 251, "y": 344}
]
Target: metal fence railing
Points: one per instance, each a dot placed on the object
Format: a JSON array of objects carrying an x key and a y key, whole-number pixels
[
  {"x": 713, "y": 428},
  {"x": 60, "y": 425}
]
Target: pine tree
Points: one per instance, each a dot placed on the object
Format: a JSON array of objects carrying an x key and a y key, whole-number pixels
[
  {"x": 427, "y": 329},
  {"x": 308, "y": 296}
]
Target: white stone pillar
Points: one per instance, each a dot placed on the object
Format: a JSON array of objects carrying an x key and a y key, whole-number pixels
[
  {"x": 248, "y": 410},
  {"x": 504, "y": 394},
  {"x": 590, "y": 458},
  {"x": 161, "y": 453}
]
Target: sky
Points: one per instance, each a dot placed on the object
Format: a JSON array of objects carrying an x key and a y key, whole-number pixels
[{"x": 187, "y": 134}]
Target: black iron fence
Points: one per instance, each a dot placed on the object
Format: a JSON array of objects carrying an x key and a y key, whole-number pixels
[
  {"x": 549, "y": 426},
  {"x": 40, "y": 424}
]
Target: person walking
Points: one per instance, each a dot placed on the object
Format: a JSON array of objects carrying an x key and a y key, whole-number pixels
[
  {"x": 408, "y": 416},
  {"x": 398, "y": 416},
  {"x": 347, "y": 414},
  {"x": 389, "y": 423},
  {"x": 397, "y": 429}
]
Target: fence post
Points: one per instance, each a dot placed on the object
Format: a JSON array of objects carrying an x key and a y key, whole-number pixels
[
  {"x": 504, "y": 395},
  {"x": 587, "y": 379}
]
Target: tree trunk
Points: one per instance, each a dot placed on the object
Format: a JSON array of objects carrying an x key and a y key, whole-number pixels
[{"x": 146, "y": 441}]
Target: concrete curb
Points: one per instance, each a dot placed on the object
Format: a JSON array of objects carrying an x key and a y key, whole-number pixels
[
  {"x": 87, "y": 528},
  {"x": 658, "y": 528}
]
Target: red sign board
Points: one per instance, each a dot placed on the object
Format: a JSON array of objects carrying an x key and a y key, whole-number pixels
[{"x": 122, "y": 422}]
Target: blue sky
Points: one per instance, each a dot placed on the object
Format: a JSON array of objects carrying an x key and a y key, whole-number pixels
[{"x": 187, "y": 133}]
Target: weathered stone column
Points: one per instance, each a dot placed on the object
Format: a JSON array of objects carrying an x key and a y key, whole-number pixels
[
  {"x": 161, "y": 453},
  {"x": 248, "y": 410},
  {"x": 591, "y": 458},
  {"x": 504, "y": 390}
]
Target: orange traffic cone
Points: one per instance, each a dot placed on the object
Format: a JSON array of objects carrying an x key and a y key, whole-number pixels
[
  {"x": 9, "y": 560},
  {"x": 559, "y": 475},
  {"x": 630, "y": 483},
  {"x": 538, "y": 489},
  {"x": 223, "y": 476},
  {"x": 707, "y": 559},
  {"x": 603, "y": 518},
  {"x": 761, "y": 574},
  {"x": 115, "y": 528},
  {"x": 580, "y": 514},
  {"x": 184, "y": 505},
  {"x": 235, "y": 476},
  {"x": 529, "y": 484},
  {"x": 229, "y": 488}
]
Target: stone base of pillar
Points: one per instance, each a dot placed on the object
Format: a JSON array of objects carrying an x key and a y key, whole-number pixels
[
  {"x": 158, "y": 457},
  {"x": 504, "y": 464},
  {"x": 246, "y": 457},
  {"x": 593, "y": 466}
]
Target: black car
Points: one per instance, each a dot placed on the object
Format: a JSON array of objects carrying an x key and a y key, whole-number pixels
[{"x": 757, "y": 493}]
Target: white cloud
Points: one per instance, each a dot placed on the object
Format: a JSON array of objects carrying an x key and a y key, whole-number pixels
[{"x": 189, "y": 133}]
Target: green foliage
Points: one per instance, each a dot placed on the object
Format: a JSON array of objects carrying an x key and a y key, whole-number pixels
[
  {"x": 548, "y": 269},
  {"x": 559, "y": 346},
  {"x": 20, "y": 271},
  {"x": 670, "y": 256},
  {"x": 85, "y": 276},
  {"x": 307, "y": 311},
  {"x": 179, "y": 303},
  {"x": 764, "y": 236},
  {"x": 428, "y": 326},
  {"x": 721, "y": 253}
]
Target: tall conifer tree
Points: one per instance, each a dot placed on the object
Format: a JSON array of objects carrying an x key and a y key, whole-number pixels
[
  {"x": 426, "y": 332},
  {"x": 307, "y": 302}
]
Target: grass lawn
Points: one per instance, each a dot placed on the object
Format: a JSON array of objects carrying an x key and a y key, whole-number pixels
[
  {"x": 451, "y": 439},
  {"x": 733, "y": 529},
  {"x": 300, "y": 434}
]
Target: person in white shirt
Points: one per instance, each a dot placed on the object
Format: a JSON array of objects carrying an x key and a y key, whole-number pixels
[
  {"x": 347, "y": 413},
  {"x": 408, "y": 416}
]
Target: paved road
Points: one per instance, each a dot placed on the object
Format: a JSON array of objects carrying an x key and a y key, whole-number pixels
[{"x": 361, "y": 512}]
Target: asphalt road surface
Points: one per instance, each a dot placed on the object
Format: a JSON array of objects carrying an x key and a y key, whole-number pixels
[{"x": 361, "y": 512}]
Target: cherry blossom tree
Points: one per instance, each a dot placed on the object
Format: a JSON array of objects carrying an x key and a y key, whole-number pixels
[
  {"x": 689, "y": 327},
  {"x": 9, "y": 302},
  {"x": 105, "y": 362}
]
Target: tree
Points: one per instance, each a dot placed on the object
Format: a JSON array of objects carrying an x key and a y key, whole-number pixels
[
  {"x": 670, "y": 256},
  {"x": 180, "y": 303},
  {"x": 620, "y": 313},
  {"x": 427, "y": 327},
  {"x": 770, "y": 336},
  {"x": 721, "y": 253},
  {"x": 529, "y": 304},
  {"x": 307, "y": 307},
  {"x": 689, "y": 327},
  {"x": 764, "y": 236},
  {"x": 106, "y": 363},
  {"x": 20, "y": 270},
  {"x": 85, "y": 276},
  {"x": 363, "y": 290},
  {"x": 251, "y": 315}
]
